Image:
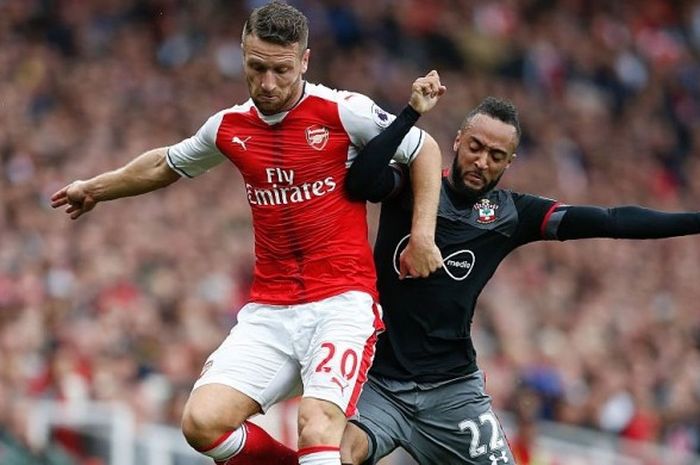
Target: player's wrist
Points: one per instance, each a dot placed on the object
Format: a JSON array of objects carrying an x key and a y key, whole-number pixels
[
  {"x": 422, "y": 236},
  {"x": 410, "y": 112}
]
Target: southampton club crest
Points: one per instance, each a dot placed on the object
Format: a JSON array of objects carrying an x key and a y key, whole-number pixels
[
  {"x": 486, "y": 210},
  {"x": 317, "y": 136}
]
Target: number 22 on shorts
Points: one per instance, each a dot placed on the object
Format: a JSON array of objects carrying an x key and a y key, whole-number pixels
[{"x": 495, "y": 441}]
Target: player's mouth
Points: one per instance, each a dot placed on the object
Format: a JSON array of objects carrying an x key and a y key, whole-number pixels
[{"x": 474, "y": 178}]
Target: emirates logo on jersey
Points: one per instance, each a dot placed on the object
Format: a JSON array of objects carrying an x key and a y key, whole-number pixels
[{"x": 317, "y": 136}]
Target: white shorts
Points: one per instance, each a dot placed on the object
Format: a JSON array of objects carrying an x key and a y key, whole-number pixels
[{"x": 322, "y": 349}]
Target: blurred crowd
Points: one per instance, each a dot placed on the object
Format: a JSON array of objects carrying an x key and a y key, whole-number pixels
[{"x": 126, "y": 303}]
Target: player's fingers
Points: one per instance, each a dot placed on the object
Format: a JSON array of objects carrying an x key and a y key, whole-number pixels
[
  {"x": 406, "y": 270},
  {"x": 402, "y": 270},
  {"x": 424, "y": 87},
  {"x": 72, "y": 208},
  {"x": 60, "y": 193},
  {"x": 59, "y": 202}
]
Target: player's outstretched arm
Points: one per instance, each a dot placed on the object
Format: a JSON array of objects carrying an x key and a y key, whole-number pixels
[
  {"x": 147, "y": 172},
  {"x": 624, "y": 222}
]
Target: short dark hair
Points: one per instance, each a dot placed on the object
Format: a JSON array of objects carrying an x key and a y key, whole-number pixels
[
  {"x": 500, "y": 109},
  {"x": 279, "y": 23}
]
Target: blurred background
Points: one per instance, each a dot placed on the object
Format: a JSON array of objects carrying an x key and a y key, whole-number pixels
[{"x": 591, "y": 348}]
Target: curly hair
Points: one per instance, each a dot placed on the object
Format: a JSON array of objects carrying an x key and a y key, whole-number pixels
[{"x": 500, "y": 109}]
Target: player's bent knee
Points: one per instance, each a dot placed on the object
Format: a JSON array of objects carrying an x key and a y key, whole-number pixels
[
  {"x": 199, "y": 430},
  {"x": 320, "y": 423},
  {"x": 212, "y": 411}
]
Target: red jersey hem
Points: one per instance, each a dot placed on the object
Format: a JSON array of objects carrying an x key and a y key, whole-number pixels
[{"x": 315, "y": 297}]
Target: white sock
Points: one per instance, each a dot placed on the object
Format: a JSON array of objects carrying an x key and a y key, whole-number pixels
[
  {"x": 319, "y": 456},
  {"x": 227, "y": 445}
]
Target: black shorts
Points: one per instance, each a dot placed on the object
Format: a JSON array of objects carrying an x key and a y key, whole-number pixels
[{"x": 440, "y": 424}]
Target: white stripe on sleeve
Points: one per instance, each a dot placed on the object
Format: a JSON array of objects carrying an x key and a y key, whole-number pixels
[
  {"x": 197, "y": 154},
  {"x": 363, "y": 119}
]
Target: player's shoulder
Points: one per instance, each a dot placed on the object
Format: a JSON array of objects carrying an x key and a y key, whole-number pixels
[
  {"x": 241, "y": 108},
  {"x": 523, "y": 200},
  {"x": 323, "y": 92},
  {"x": 215, "y": 120},
  {"x": 345, "y": 98}
]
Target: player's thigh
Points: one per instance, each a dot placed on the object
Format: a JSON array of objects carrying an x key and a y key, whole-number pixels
[
  {"x": 384, "y": 417},
  {"x": 256, "y": 358},
  {"x": 337, "y": 351},
  {"x": 457, "y": 425}
]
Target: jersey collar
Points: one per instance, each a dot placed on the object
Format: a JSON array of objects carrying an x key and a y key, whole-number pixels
[{"x": 279, "y": 117}]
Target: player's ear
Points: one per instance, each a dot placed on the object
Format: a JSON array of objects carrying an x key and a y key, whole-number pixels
[
  {"x": 305, "y": 60},
  {"x": 458, "y": 138},
  {"x": 511, "y": 159}
]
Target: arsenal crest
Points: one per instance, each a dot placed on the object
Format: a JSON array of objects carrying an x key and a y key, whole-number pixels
[
  {"x": 317, "y": 136},
  {"x": 486, "y": 210}
]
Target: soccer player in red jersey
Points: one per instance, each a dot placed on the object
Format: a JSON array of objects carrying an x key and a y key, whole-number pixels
[{"x": 311, "y": 324}]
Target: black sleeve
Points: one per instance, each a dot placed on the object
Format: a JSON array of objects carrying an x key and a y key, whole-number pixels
[
  {"x": 371, "y": 177},
  {"x": 630, "y": 222}
]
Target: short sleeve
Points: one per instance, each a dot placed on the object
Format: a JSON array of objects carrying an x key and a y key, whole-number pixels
[
  {"x": 363, "y": 120},
  {"x": 536, "y": 219},
  {"x": 197, "y": 154}
]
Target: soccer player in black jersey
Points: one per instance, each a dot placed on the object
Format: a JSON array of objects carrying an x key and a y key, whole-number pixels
[{"x": 425, "y": 392}]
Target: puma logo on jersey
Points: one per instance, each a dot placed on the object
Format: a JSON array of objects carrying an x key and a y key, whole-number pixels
[{"x": 241, "y": 142}]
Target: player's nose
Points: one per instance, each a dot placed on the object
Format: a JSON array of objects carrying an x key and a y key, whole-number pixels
[
  {"x": 268, "y": 81},
  {"x": 481, "y": 161}
]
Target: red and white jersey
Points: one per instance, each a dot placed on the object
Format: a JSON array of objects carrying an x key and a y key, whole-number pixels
[{"x": 310, "y": 238}]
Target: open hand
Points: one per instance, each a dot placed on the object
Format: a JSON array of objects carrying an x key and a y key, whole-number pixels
[{"x": 76, "y": 196}]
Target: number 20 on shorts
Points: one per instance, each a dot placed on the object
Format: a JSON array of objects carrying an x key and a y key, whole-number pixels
[{"x": 347, "y": 362}]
